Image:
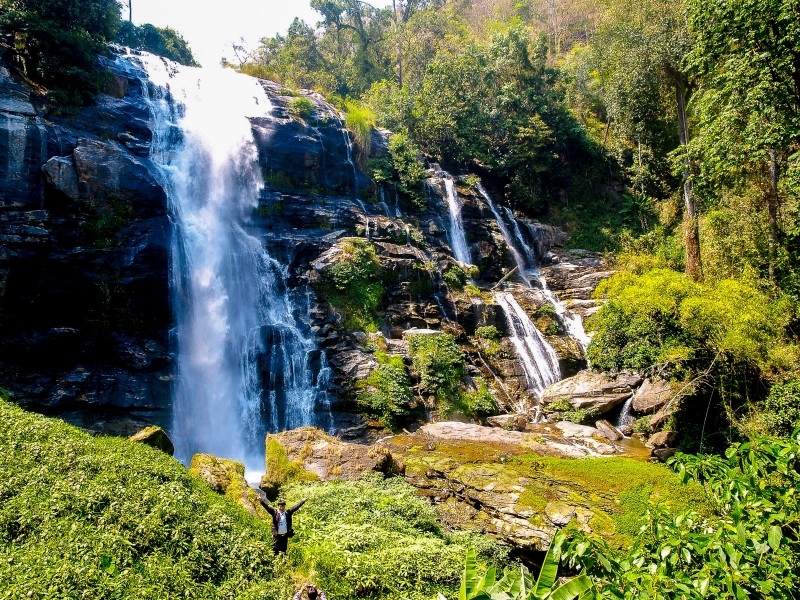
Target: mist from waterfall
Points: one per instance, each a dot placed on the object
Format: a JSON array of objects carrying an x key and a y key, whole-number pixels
[{"x": 243, "y": 362}]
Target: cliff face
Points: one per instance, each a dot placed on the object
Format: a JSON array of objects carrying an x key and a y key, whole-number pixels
[{"x": 85, "y": 238}]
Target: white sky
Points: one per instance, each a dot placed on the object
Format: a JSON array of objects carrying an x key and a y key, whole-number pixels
[{"x": 211, "y": 26}]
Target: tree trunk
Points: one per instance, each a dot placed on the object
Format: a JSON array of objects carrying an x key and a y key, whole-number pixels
[
  {"x": 694, "y": 264},
  {"x": 130, "y": 11},
  {"x": 772, "y": 210}
]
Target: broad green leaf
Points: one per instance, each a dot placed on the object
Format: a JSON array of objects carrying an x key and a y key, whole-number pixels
[
  {"x": 774, "y": 537},
  {"x": 572, "y": 589}
]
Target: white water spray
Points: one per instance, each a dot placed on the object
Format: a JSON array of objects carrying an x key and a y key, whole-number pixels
[
  {"x": 243, "y": 362},
  {"x": 458, "y": 240}
]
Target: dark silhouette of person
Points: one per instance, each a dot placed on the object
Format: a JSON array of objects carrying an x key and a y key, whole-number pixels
[
  {"x": 281, "y": 522},
  {"x": 311, "y": 592}
]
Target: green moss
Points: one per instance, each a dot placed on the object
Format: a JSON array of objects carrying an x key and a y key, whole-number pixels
[
  {"x": 355, "y": 284},
  {"x": 533, "y": 500},
  {"x": 281, "y": 470}
]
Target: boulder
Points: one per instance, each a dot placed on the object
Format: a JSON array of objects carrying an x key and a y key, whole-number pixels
[
  {"x": 514, "y": 422},
  {"x": 662, "y": 439},
  {"x": 608, "y": 430},
  {"x": 155, "y": 437},
  {"x": 60, "y": 172},
  {"x": 662, "y": 454},
  {"x": 226, "y": 477},
  {"x": 652, "y": 396},
  {"x": 332, "y": 459},
  {"x": 588, "y": 390}
]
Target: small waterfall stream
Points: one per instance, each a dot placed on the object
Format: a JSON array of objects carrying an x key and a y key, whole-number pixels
[
  {"x": 244, "y": 362},
  {"x": 539, "y": 360},
  {"x": 458, "y": 240}
]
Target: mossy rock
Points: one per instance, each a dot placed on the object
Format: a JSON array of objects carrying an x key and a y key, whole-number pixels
[
  {"x": 226, "y": 477},
  {"x": 280, "y": 470},
  {"x": 156, "y": 437}
]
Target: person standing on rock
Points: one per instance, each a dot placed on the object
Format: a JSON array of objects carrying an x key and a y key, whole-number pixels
[{"x": 281, "y": 522}]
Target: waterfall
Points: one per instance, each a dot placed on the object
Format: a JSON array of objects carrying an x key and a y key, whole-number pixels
[
  {"x": 538, "y": 359},
  {"x": 518, "y": 259},
  {"x": 457, "y": 239},
  {"x": 626, "y": 414},
  {"x": 528, "y": 263},
  {"x": 243, "y": 363}
]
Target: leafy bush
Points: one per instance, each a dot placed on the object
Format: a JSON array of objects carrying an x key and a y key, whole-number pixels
[
  {"x": 89, "y": 517},
  {"x": 377, "y": 538},
  {"x": 439, "y": 364},
  {"x": 781, "y": 412},
  {"x": 386, "y": 392},
  {"x": 360, "y": 121},
  {"x": 354, "y": 284},
  {"x": 749, "y": 549},
  {"x": 488, "y": 332},
  {"x": 409, "y": 169},
  {"x": 301, "y": 107},
  {"x": 728, "y": 336},
  {"x": 480, "y": 401},
  {"x": 455, "y": 277}
]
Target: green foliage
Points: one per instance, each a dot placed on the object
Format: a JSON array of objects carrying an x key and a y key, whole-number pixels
[
  {"x": 748, "y": 549},
  {"x": 519, "y": 584},
  {"x": 581, "y": 416},
  {"x": 455, "y": 277},
  {"x": 104, "y": 219},
  {"x": 360, "y": 121},
  {"x": 781, "y": 412},
  {"x": 100, "y": 517},
  {"x": 57, "y": 44},
  {"x": 488, "y": 332},
  {"x": 439, "y": 364},
  {"x": 354, "y": 285},
  {"x": 163, "y": 41},
  {"x": 377, "y": 538},
  {"x": 301, "y": 107},
  {"x": 409, "y": 169},
  {"x": 479, "y": 402},
  {"x": 386, "y": 392}
]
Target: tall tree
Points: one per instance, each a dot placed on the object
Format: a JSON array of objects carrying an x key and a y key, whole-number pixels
[
  {"x": 746, "y": 56},
  {"x": 642, "y": 45}
]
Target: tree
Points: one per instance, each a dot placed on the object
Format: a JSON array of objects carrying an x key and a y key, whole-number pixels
[
  {"x": 746, "y": 56},
  {"x": 57, "y": 42},
  {"x": 642, "y": 45}
]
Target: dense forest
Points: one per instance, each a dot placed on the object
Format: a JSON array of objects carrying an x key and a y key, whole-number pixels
[{"x": 663, "y": 133}]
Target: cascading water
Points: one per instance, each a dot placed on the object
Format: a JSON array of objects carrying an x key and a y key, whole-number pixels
[
  {"x": 244, "y": 364},
  {"x": 539, "y": 360},
  {"x": 528, "y": 266},
  {"x": 458, "y": 240}
]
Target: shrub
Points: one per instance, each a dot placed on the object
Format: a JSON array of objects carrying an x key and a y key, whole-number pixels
[
  {"x": 409, "y": 169},
  {"x": 479, "y": 402},
  {"x": 439, "y": 364},
  {"x": 386, "y": 392},
  {"x": 455, "y": 277},
  {"x": 377, "y": 538},
  {"x": 781, "y": 412},
  {"x": 163, "y": 41},
  {"x": 98, "y": 517},
  {"x": 488, "y": 332},
  {"x": 354, "y": 285},
  {"x": 300, "y": 107},
  {"x": 360, "y": 121}
]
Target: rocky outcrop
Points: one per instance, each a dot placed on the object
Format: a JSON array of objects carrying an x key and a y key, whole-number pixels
[
  {"x": 226, "y": 477},
  {"x": 592, "y": 391},
  {"x": 652, "y": 395},
  {"x": 155, "y": 437},
  {"x": 332, "y": 459}
]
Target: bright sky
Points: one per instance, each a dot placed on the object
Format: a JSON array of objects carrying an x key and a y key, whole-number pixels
[{"x": 211, "y": 26}]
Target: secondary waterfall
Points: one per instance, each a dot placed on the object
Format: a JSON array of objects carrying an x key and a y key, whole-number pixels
[
  {"x": 458, "y": 240},
  {"x": 528, "y": 267},
  {"x": 244, "y": 363},
  {"x": 539, "y": 360}
]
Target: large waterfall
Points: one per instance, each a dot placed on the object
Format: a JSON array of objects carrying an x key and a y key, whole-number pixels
[{"x": 243, "y": 359}]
